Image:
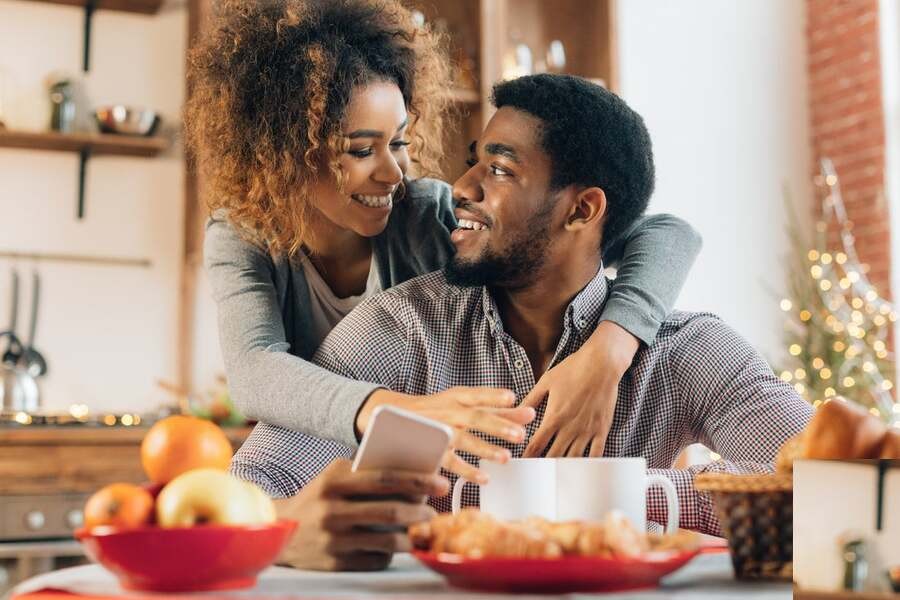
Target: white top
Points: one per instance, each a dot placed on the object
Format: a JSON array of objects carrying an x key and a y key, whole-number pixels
[{"x": 326, "y": 309}]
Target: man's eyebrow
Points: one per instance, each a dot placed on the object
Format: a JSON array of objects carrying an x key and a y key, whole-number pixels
[
  {"x": 372, "y": 133},
  {"x": 473, "y": 147},
  {"x": 502, "y": 150}
]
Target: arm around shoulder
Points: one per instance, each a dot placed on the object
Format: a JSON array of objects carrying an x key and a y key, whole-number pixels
[{"x": 654, "y": 258}]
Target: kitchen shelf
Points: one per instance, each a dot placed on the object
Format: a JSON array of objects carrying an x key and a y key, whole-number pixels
[
  {"x": 95, "y": 143},
  {"x": 144, "y": 7},
  {"x": 86, "y": 145}
]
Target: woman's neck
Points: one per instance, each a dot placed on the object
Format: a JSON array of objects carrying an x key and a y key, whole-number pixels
[{"x": 341, "y": 256}]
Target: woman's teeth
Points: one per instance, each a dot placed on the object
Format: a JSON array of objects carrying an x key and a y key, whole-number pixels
[
  {"x": 467, "y": 224},
  {"x": 373, "y": 201}
]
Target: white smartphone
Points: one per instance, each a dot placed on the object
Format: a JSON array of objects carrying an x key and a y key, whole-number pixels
[{"x": 401, "y": 440}]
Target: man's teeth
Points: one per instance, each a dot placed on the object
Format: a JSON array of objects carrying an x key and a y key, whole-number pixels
[
  {"x": 467, "y": 224},
  {"x": 373, "y": 201}
]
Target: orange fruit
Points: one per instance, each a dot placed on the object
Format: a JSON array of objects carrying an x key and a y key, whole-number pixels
[
  {"x": 120, "y": 505},
  {"x": 180, "y": 443}
]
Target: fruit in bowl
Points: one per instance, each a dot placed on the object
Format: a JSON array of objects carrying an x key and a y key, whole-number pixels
[
  {"x": 208, "y": 496},
  {"x": 194, "y": 526}
]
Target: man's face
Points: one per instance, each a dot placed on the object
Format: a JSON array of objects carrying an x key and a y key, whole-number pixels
[{"x": 504, "y": 206}]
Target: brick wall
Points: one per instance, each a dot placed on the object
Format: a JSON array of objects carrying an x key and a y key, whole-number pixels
[{"x": 848, "y": 119}]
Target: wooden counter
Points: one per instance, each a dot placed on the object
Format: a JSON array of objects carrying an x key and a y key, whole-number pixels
[{"x": 64, "y": 460}]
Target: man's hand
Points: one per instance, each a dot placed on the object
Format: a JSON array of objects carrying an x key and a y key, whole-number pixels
[
  {"x": 582, "y": 391},
  {"x": 355, "y": 521},
  {"x": 466, "y": 409}
]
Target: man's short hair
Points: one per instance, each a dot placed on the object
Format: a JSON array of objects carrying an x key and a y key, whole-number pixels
[{"x": 593, "y": 139}]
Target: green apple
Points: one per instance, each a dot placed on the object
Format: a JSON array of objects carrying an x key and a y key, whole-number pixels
[{"x": 212, "y": 496}]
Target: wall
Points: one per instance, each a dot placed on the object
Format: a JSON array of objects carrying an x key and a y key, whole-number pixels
[
  {"x": 722, "y": 87},
  {"x": 848, "y": 121},
  {"x": 889, "y": 24},
  {"x": 108, "y": 332}
]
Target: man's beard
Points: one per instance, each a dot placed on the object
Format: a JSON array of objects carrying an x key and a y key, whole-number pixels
[{"x": 517, "y": 267}]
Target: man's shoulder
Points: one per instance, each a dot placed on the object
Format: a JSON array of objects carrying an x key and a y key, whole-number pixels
[
  {"x": 681, "y": 326},
  {"x": 422, "y": 291}
]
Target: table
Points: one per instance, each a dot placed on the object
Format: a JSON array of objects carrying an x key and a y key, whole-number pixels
[{"x": 707, "y": 576}]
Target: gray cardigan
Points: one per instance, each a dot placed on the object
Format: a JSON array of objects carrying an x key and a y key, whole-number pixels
[{"x": 264, "y": 318}]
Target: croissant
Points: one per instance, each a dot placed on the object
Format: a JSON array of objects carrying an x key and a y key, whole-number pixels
[
  {"x": 474, "y": 534},
  {"x": 840, "y": 430}
]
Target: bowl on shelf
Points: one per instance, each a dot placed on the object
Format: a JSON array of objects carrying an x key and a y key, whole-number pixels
[
  {"x": 186, "y": 559},
  {"x": 126, "y": 120}
]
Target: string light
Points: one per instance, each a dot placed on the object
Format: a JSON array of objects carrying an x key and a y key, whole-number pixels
[{"x": 837, "y": 323}]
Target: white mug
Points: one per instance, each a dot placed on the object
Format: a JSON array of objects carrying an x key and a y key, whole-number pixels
[{"x": 566, "y": 489}]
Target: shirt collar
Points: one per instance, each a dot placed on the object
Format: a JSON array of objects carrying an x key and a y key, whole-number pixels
[{"x": 582, "y": 314}]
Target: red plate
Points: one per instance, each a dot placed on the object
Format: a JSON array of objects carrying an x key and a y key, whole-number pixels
[{"x": 559, "y": 575}]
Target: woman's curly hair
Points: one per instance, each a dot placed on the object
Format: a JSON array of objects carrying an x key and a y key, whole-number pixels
[{"x": 270, "y": 81}]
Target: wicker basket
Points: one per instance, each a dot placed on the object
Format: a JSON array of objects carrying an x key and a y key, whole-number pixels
[{"x": 756, "y": 513}]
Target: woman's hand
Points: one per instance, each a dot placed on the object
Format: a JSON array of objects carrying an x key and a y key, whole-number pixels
[
  {"x": 466, "y": 409},
  {"x": 356, "y": 521},
  {"x": 581, "y": 394}
]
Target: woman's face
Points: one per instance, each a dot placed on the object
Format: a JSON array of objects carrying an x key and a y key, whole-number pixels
[{"x": 374, "y": 162}]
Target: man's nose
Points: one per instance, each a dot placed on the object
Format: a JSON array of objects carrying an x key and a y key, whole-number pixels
[{"x": 467, "y": 187}]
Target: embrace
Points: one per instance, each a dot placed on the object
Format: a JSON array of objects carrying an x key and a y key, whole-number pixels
[{"x": 344, "y": 283}]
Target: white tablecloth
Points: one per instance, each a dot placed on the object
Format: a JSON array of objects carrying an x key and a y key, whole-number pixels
[{"x": 707, "y": 576}]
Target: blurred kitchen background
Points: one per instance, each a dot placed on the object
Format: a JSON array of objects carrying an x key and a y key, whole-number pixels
[{"x": 743, "y": 98}]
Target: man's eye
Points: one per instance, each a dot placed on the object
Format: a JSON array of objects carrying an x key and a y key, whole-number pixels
[
  {"x": 361, "y": 153},
  {"x": 495, "y": 170},
  {"x": 471, "y": 162}
]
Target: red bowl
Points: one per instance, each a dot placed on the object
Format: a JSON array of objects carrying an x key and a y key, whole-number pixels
[{"x": 187, "y": 559}]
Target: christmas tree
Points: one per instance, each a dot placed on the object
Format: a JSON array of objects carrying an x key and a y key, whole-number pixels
[{"x": 838, "y": 326}]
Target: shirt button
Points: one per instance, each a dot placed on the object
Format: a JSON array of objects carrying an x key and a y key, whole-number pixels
[
  {"x": 582, "y": 323},
  {"x": 519, "y": 363}
]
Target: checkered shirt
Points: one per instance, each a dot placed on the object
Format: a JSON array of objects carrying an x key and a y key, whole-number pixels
[{"x": 698, "y": 382}]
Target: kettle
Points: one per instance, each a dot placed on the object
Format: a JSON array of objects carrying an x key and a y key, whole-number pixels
[{"x": 19, "y": 391}]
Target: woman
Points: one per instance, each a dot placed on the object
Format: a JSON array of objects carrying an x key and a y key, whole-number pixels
[{"x": 305, "y": 116}]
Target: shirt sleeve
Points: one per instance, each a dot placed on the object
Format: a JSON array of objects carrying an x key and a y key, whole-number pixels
[
  {"x": 266, "y": 381},
  {"x": 653, "y": 259},
  {"x": 739, "y": 409}
]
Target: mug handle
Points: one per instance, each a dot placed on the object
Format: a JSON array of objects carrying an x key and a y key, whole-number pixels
[
  {"x": 456, "y": 497},
  {"x": 671, "y": 500}
]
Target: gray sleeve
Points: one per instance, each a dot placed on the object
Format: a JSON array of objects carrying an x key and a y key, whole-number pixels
[
  {"x": 654, "y": 257},
  {"x": 268, "y": 383}
]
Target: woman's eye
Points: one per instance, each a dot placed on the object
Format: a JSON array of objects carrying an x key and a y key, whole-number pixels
[
  {"x": 361, "y": 153},
  {"x": 399, "y": 144}
]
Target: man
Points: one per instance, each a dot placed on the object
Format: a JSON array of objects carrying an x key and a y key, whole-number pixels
[{"x": 562, "y": 168}]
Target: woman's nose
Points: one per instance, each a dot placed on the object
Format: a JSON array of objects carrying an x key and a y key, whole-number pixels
[{"x": 388, "y": 171}]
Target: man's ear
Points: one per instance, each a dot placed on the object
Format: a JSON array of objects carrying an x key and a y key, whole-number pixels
[{"x": 587, "y": 209}]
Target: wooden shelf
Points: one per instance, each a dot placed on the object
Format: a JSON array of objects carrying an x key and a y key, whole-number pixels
[
  {"x": 95, "y": 143},
  {"x": 144, "y": 7}
]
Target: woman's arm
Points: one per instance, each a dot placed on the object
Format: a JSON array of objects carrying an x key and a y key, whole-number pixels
[
  {"x": 654, "y": 257},
  {"x": 266, "y": 382}
]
